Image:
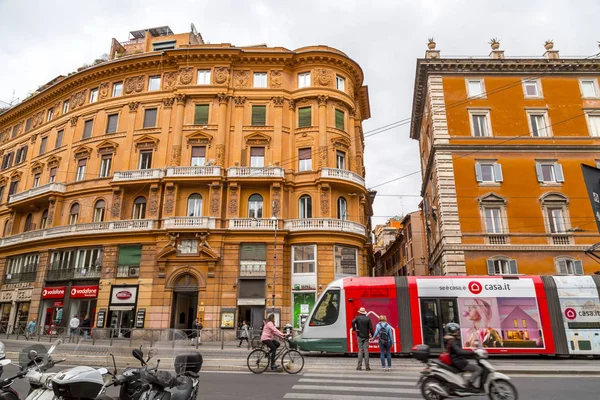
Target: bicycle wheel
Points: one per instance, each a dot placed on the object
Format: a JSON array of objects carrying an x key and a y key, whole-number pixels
[
  {"x": 258, "y": 361},
  {"x": 292, "y": 361}
]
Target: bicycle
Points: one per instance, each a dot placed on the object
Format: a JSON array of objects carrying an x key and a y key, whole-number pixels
[{"x": 292, "y": 360}]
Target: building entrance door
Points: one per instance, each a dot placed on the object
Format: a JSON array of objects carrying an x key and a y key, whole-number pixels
[
  {"x": 185, "y": 303},
  {"x": 435, "y": 314}
]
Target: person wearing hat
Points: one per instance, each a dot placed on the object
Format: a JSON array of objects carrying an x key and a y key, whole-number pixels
[{"x": 363, "y": 327}]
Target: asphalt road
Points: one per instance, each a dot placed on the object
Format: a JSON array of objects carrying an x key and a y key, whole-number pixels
[{"x": 354, "y": 385}]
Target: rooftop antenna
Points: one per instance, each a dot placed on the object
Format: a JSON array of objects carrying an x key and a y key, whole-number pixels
[{"x": 193, "y": 29}]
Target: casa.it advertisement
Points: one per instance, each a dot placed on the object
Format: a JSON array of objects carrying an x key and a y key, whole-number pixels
[{"x": 496, "y": 312}]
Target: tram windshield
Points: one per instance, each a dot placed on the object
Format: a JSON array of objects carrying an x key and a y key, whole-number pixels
[{"x": 326, "y": 313}]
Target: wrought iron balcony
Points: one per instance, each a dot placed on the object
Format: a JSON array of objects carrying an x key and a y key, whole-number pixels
[
  {"x": 138, "y": 175},
  {"x": 20, "y": 277},
  {"x": 206, "y": 170},
  {"x": 336, "y": 173},
  {"x": 255, "y": 172},
  {"x": 60, "y": 274},
  {"x": 190, "y": 223},
  {"x": 324, "y": 224},
  {"x": 49, "y": 188}
]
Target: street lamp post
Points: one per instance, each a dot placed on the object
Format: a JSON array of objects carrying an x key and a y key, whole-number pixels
[{"x": 274, "y": 219}]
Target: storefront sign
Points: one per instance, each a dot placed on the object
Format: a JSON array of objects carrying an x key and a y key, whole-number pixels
[
  {"x": 54, "y": 292},
  {"x": 101, "y": 318},
  {"x": 123, "y": 295},
  {"x": 7, "y": 295},
  {"x": 141, "y": 317},
  {"x": 25, "y": 295},
  {"x": 57, "y": 304},
  {"x": 227, "y": 319},
  {"x": 305, "y": 287},
  {"x": 84, "y": 292}
]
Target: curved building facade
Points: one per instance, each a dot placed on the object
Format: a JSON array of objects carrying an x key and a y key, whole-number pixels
[{"x": 182, "y": 180}]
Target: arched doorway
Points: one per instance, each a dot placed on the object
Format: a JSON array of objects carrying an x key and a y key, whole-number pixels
[{"x": 185, "y": 302}]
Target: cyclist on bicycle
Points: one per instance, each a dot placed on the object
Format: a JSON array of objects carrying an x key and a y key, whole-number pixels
[{"x": 268, "y": 334}]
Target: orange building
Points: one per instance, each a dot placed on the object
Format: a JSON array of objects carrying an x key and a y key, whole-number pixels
[
  {"x": 180, "y": 180},
  {"x": 501, "y": 144}
]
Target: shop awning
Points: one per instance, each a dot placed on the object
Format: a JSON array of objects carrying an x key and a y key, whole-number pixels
[
  {"x": 251, "y": 302},
  {"x": 130, "y": 254}
]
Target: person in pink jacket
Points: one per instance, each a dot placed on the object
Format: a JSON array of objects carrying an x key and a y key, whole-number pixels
[{"x": 268, "y": 334}]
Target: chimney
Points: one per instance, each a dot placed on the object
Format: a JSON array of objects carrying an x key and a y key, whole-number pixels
[
  {"x": 431, "y": 52},
  {"x": 551, "y": 54},
  {"x": 496, "y": 52}
]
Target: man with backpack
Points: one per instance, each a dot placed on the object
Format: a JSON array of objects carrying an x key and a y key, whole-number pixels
[
  {"x": 384, "y": 334},
  {"x": 363, "y": 327}
]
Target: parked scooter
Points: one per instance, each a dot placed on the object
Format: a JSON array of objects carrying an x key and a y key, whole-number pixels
[
  {"x": 6, "y": 392},
  {"x": 440, "y": 381}
]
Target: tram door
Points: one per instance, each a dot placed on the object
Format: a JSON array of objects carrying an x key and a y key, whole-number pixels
[{"x": 435, "y": 314}]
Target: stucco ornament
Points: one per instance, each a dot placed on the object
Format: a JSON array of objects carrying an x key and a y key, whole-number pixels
[
  {"x": 134, "y": 84},
  {"x": 103, "y": 91},
  {"x": 170, "y": 80},
  {"x": 186, "y": 75},
  {"x": 323, "y": 76},
  {"x": 276, "y": 77},
  {"x": 221, "y": 75},
  {"x": 240, "y": 79}
]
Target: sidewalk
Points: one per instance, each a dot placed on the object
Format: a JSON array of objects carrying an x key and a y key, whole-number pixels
[{"x": 232, "y": 358}]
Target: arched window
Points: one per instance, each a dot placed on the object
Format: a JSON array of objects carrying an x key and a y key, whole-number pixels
[
  {"x": 305, "y": 207},
  {"x": 99, "y": 211},
  {"x": 44, "y": 219},
  {"x": 139, "y": 208},
  {"x": 568, "y": 266},
  {"x": 74, "y": 214},
  {"x": 501, "y": 265},
  {"x": 5, "y": 230},
  {"x": 255, "y": 206},
  {"x": 29, "y": 222},
  {"x": 342, "y": 208},
  {"x": 194, "y": 205}
]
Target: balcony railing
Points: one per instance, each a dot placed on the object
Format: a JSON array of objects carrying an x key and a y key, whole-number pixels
[
  {"x": 128, "y": 271},
  {"x": 20, "y": 277},
  {"x": 60, "y": 274},
  {"x": 138, "y": 174},
  {"x": 190, "y": 223},
  {"x": 78, "y": 229},
  {"x": 324, "y": 224},
  {"x": 193, "y": 171},
  {"x": 496, "y": 239},
  {"x": 255, "y": 172},
  {"x": 563, "y": 239},
  {"x": 343, "y": 174},
  {"x": 51, "y": 187},
  {"x": 252, "y": 223}
]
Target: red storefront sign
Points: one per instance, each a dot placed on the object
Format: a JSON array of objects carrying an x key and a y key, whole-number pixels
[
  {"x": 123, "y": 295},
  {"x": 54, "y": 292},
  {"x": 84, "y": 292},
  {"x": 58, "y": 304}
]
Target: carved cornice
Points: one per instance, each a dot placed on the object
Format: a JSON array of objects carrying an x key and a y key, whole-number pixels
[
  {"x": 292, "y": 104},
  {"x": 277, "y": 101},
  {"x": 133, "y": 106},
  {"x": 239, "y": 101},
  {"x": 168, "y": 102},
  {"x": 322, "y": 100},
  {"x": 223, "y": 98},
  {"x": 181, "y": 98},
  {"x": 73, "y": 120}
]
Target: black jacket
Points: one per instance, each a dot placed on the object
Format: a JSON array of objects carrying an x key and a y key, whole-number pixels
[
  {"x": 363, "y": 326},
  {"x": 458, "y": 355}
]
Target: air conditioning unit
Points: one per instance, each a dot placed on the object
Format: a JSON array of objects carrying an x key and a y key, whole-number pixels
[{"x": 134, "y": 271}]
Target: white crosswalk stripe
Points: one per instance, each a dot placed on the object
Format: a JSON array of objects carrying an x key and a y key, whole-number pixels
[{"x": 372, "y": 385}]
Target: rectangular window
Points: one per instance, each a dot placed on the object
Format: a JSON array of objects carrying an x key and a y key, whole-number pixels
[
  {"x": 65, "y": 106},
  {"x": 164, "y": 45},
  {"x": 12, "y": 189},
  {"x": 7, "y": 160},
  {"x": 2, "y": 194},
  {"x": 36, "y": 180},
  {"x": 28, "y": 124},
  {"x": 570, "y": 267},
  {"x": 339, "y": 119},
  {"x": 87, "y": 128},
  {"x": 154, "y": 83},
  {"x": 488, "y": 172},
  {"x": 531, "y": 88},
  {"x": 43, "y": 144},
  {"x": 50, "y": 114},
  {"x": 52, "y": 177},
  {"x": 493, "y": 219},
  {"x": 145, "y": 160},
  {"x": 201, "y": 114},
  {"x": 304, "y": 117},
  {"x": 259, "y": 115},
  {"x": 340, "y": 83},
  {"x": 260, "y": 79},
  {"x": 475, "y": 87},
  {"x": 105, "y": 165},
  {"x": 111, "y": 124},
  {"x": 304, "y": 80},
  {"x": 480, "y": 125},
  {"x": 150, "y": 118},
  {"x": 15, "y": 131},
  {"x": 81, "y": 164},
  {"x": 345, "y": 260},
  {"x": 305, "y": 159},
  {"x": 59, "y": 138},
  {"x": 588, "y": 88},
  {"x": 304, "y": 259},
  {"x": 556, "y": 220},
  {"x": 594, "y": 122},
  {"x": 203, "y": 77},
  {"x": 198, "y": 156},
  {"x": 502, "y": 267},
  {"x": 340, "y": 158},
  {"x": 549, "y": 172},
  {"x": 93, "y": 95},
  {"x": 539, "y": 127},
  {"x": 515, "y": 323},
  {"x": 117, "y": 89},
  {"x": 257, "y": 157},
  {"x": 21, "y": 155}
]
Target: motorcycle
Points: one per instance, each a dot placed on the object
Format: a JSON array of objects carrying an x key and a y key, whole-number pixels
[
  {"x": 440, "y": 381},
  {"x": 6, "y": 392}
]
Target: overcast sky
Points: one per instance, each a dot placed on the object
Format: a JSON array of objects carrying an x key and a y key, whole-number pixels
[{"x": 45, "y": 38}]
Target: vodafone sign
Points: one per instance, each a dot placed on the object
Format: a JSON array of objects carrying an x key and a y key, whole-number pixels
[
  {"x": 54, "y": 292},
  {"x": 84, "y": 292}
]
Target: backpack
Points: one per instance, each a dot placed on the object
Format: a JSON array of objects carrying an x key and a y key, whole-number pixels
[{"x": 383, "y": 334}]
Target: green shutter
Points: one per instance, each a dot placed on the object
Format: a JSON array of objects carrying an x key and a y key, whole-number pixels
[
  {"x": 130, "y": 254},
  {"x": 201, "y": 115},
  {"x": 304, "y": 117},
  {"x": 253, "y": 252},
  {"x": 339, "y": 119},
  {"x": 259, "y": 115}
]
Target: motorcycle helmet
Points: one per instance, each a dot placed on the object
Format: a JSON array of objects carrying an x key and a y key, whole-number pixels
[{"x": 453, "y": 329}]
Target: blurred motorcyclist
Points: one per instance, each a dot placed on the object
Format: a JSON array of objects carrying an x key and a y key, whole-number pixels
[{"x": 459, "y": 356}]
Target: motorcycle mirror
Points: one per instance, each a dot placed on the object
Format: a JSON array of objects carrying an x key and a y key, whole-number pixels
[
  {"x": 4, "y": 362},
  {"x": 138, "y": 355},
  {"x": 57, "y": 343},
  {"x": 32, "y": 355},
  {"x": 152, "y": 353},
  {"x": 103, "y": 371}
]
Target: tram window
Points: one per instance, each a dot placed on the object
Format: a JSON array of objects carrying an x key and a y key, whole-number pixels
[
  {"x": 328, "y": 309},
  {"x": 584, "y": 345}
]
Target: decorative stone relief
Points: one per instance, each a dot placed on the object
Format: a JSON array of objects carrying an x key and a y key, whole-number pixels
[
  {"x": 276, "y": 201},
  {"x": 277, "y": 101},
  {"x": 186, "y": 75},
  {"x": 73, "y": 120},
  {"x": 276, "y": 77},
  {"x": 77, "y": 100},
  {"x": 181, "y": 98},
  {"x": 168, "y": 102},
  {"x": 37, "y": 119},
  {"x": 350, "y": 89},
  {"x": 240, "y": 79},
  {"x": 103, "y": 91},
  {"x": 325, "y": 202},
  {"x": 176, "y": 155},
  {"x": 239, "y": 101},
  {"x": 222, "y": 97},
  {"x": 292, "y": 104},
  {"x": 51, "y": 208},
  {"x": 215, "y": 200},
  {"x": 153, "y": 202},
  {"x": 221, "y": 75},
  {"x": 304, "y": 141},
  {"x": 170, "y": 80},
  {"x": 116, "y": 204},
  {"x": 33, "y": 138},
  {"x": 170, "y": 200},
  {"x": 135, "y": 84},
  {"x": 322, "y": 100},
  {"x": 220, "y": 155},
  {"x": 133, "y": 106},
  {"x": 323, "y": 76},
  {"x": 323, "y": 157},
  {"x": 233, "y": 201},
  {"x": 57, "y": 109}
]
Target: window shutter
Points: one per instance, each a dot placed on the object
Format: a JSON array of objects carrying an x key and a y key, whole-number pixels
[
  {"x": 150, "y": 118},
  {"x": 304, "y": 154},
  {"x": 112, "y": 123},
  {"x": 578, "y": 267},
  {"x": 498, "y": 172},
  {"x": 339, "y": 119},
  {"x": 130, "y": 255},
  {"x": 87, "y": 128},
  {"x": 562, "y": 267},
  {"x": 560, "y": 177},
  {"x": 247, "y": 252},
  {"x": 198, "y": 151},
  {"x": 490, "y": 267},
  {"x": 538, "y": 170},
  {"x": 201, "y": 115},
  {"x": 304, "y": 117},
  {"x": 478, "y": 174},
  {"x": 512, "y": 264},
  {"x": 244, "y": 160},
  {"x": 257, "y": 151},
  {"x": 259, "y": 115},
  {"x": 253, "y": 252}
]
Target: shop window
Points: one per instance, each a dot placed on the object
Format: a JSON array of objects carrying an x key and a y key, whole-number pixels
[
  {"x": 255, "y": 206},
  {"x": 139, "y": 208},
  {"x": 304, "y": 259},
  {"x": 327, "y": 311},
  {"x": 345, "y": 260},
  {"x": 305, "y": 207},
  {"x": 194, "y": 205}
]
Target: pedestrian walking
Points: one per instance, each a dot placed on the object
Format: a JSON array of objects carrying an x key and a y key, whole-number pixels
[
  {"x": 30, "y": 330},
  {"x": 363, "y": 327},
  {"x": 243, "y": 334},
  {"x": 73, "y": 325},
  {"x": 385, "y": 338},
  {"x": 197, "y": 325},
  {"x": 85, "y": 326}
]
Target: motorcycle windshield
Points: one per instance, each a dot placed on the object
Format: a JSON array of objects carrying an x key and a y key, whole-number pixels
[{"x": 39, "y": 348}]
